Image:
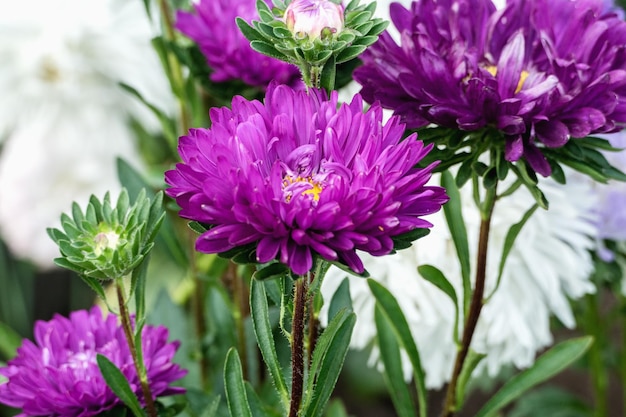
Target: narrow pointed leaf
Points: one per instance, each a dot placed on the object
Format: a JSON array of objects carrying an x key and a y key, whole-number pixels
[
  {"x": 119, "y": 385},
  {"x": 328, "y": 363},
  {"x": 259, "y": 312},
  {"x": 390, "y": 307},
  {"x": 235, "y": 388},
  {"x": 392, "y": 359},
  {"x": 549, "y": 364},
  {"x": 454, "y": 218}
]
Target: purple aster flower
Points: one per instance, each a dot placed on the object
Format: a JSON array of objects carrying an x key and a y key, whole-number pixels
[
  {"x": 227, "y": 51},
  {"x": 539, "y": 72},
  {"x": 57, "y": 375},
  {"x": 298, "y": 176}
]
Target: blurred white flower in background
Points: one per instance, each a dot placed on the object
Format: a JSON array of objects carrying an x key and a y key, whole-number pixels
[
  {"x": 550, "y": 262},
  {"x": 63, "y": 117}
]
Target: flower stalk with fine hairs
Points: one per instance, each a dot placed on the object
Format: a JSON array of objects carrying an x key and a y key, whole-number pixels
[{"x": 111, "y": 242}]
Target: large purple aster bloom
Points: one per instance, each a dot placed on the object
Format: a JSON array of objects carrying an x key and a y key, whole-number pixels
[
  {"x": 57, "y": 375},
  {"x": 538, "y": 71},
  {"x": 298, "y": 176},
  {"x": 227, "y": 51}
]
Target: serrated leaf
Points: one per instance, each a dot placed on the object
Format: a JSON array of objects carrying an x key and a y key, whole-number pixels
[
  {"x": 119, "y": 384},
  {"x": 392, "y": 360},
  {"x": 259, "y": 311},
  {"x": 236, "y": 395},
  {"x": 547, "y": 365}
]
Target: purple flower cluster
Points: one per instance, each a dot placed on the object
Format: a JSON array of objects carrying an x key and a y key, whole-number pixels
[
  {"x": 538, "y": 71},
  {"x": 227, "y": 51},
  {"x": 299, "y": 176},
  {"x": 57, "y": 375}
]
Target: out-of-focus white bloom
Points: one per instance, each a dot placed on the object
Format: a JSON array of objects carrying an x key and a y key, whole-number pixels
[
  {"x": 549, "y": 263},
  {"x": 64, "y": 118}
]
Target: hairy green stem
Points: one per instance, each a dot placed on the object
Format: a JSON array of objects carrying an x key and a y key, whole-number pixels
[
  {"x": 297, "y": 346},
  {"x": 130, "y": 338}
]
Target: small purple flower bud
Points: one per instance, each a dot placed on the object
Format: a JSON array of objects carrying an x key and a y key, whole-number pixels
[{"x": 312, "y": 18}]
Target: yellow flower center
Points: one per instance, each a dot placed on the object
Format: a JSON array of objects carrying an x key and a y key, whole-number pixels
[
  {"x": 493, "y": 70},
  {"x": 315, "y": 190}
]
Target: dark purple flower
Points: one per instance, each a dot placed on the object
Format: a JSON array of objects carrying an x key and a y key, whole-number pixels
[
  {"x": 538, "y": 71},
  {"x": 299, "y": 176},
  {"x": 57, "y": 375},
  {"x": 227, "y": 51}
]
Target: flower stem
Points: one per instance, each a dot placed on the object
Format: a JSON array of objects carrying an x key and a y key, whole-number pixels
[
  {"x": 130, "y": 338},
  {"x": 476, "y": 304},
  {"x": 599, "y": 373},
  {"x": 176, "y": 72},
  {"x": 297, "y": 347}
]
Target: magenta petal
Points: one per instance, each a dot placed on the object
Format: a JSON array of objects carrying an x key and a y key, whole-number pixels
[
  {"x": 300, "y": 176},
  {"x": 553, "y": 134},
  {"x": 514, "y": 148}
]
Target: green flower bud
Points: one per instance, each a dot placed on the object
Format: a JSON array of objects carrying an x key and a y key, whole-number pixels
[
  {"x": 314, "y": 18},
  {"x": 105, "y": 241}
]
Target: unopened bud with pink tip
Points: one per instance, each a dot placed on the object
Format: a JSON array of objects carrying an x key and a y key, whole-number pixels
[{"x": 314, "y": 18}]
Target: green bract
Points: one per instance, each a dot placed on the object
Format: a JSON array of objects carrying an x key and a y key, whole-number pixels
[
  {"x": 316, "y": 57},
  {"x": 105, "y": 241}
]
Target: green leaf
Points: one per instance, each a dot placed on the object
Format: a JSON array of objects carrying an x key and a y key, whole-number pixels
[
  {"x": 167, "y": 124},
  {"x": 454, "y": 218},
  {"x": 329, "y": 75},
  {"x": 259, "y": 311},
  {"x": 350, "y": 52},
  {"x": 341, "y": 299},
  {"x": 328, "y": 357},
  {"x": 93, "y": 283},
  {"x": 549, "y": 364},
  {"x": 336, "y": 409},
  {"x": 133, "y": 181},
  {"x": 509, "y": 241},
  {"x": 248, "y": 31},
  {"x": 10, "y": 340},
  {"x": 235, "y": 388},
  {"x": 271, "y": 271},
  {"x": 390, "y": 307},
  {"x": 471, "y": 362},
  {"x": 433, "y": 275},
  {"x": 268, "y": 49},
  {"x": 553, "y": 402},
  {"x": 119, "y": 384},
  {"x": 392, "y": 359}
]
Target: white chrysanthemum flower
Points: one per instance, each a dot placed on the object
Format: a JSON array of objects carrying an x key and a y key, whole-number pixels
[
  {"x": 549, "y": 263},
  {"x": 64, "y": 118}
]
